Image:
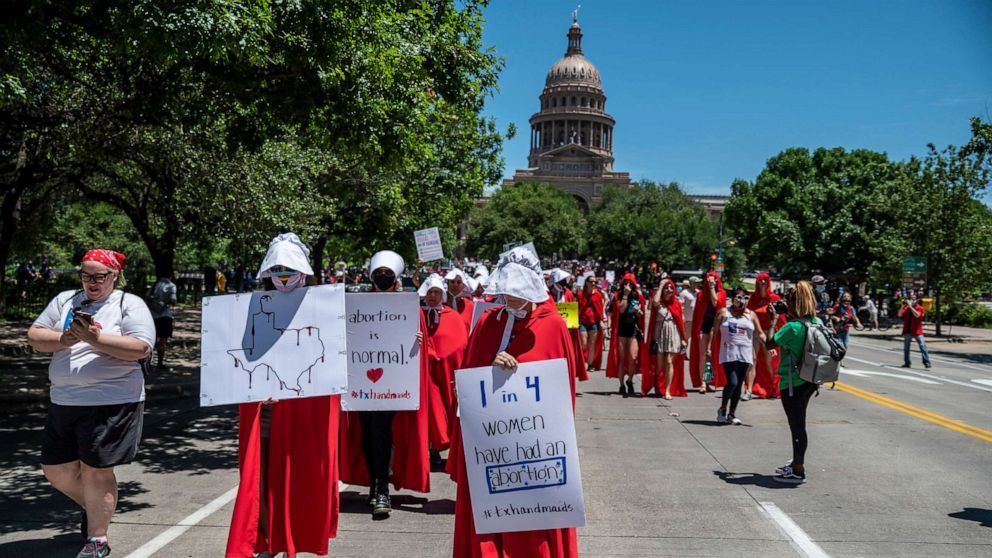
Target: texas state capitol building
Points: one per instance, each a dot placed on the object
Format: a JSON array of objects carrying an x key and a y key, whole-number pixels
[{"x": 571, "y": 137}]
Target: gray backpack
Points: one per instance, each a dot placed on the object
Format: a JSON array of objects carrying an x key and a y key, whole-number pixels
[{"x": 822, "y": 353}]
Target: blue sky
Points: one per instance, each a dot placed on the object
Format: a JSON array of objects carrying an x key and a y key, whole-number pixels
[{"x": 705, "y": 92}]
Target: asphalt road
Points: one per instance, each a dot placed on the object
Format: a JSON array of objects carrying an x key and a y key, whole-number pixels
[{"x": 900, "y": 464}]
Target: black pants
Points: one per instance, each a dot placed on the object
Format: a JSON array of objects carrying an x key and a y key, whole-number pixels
[
  {"x": 377, "y": 443},
  {"x": 735, "y": 372},
  {"x": 795, "y": 411}
]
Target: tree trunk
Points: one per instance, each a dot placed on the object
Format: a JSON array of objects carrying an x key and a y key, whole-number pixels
[
  {"x": 9, "y": 213},
  {"x": 318, "y": 258},
  {"x": 936, "y": 305}
]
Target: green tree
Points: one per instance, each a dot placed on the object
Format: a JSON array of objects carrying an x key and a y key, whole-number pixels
[
  {"x": 527, "y": 212},
  {"x": 654, "y": 223}
]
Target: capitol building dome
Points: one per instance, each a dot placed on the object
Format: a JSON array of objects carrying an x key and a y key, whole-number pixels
[{"x": 571, "y": 136}]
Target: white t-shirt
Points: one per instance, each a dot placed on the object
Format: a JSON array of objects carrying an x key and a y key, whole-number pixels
[
  {"x": 688, "y": 301},
  {"x": 83, "y": 376}
]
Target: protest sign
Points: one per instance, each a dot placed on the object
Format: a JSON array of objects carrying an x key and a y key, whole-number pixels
[
  {"x": 570, "y": 313},
  {"x": 272, "y": 344},
  {"x": 521, "y": 457},
  {"x": 479, "y": 309},
  {"x": 383, "y": 352},
  {"x": 428, "y": 244},
  {"x": 611, "y": 276}
]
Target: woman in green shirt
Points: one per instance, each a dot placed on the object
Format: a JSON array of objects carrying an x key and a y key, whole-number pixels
[{"x": 789, "y": 340}]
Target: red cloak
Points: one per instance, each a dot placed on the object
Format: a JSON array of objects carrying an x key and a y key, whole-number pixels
[
  {"x": 593, "y": 303},
  {"x": 765, "y": 381},
  {"x": 446, "y": 341},
  {"x": 648, "y": 371},
  {"x": 411, "y": 453},
  {"x": 580, "y": 362},
  {"x": 540, "y": 336},
  {"x": 302, "y": 478},
  {"x": 464, "y": 305},
  {"x": 702, "y": 302},
  {"x": 612, "y": 364}
]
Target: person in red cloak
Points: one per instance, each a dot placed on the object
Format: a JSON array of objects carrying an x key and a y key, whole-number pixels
[
  {"x": 446, "y": 341},
  {"x": 561, "y": 292},
  {"x": 369, "y": 439},
  {"x": 287, "y": 452},
  {"x": 592, "y": 320},
  {"x": 626, "y": 315},
  {"x": 665, "y": 370},
  {"x": 764, "y": 384},
  {"x": 527, "y": 329},
  {"x": 460, "y": 295},
  {"x": 704, "y": 340}
]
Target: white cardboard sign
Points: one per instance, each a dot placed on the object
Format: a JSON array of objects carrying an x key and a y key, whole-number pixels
[
  {"x": 478, "y": 310},
  {"x": 272, "y": 344},
  {"x": 611, "y": 276},
  {"x": 521, "y": 456},
  {"x": 383, "y": 356},
  {"x": 428, "y": 244}
]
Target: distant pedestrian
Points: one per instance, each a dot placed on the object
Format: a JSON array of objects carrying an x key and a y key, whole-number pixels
[
  {"x": 627, "y": 314},
  {"x": 592, "y": 319},
  {"x": 870, "y": 307},
  {"x": 687, "y": 298},
  {"x": 160, "y": 302},
  {"x": 97, "y": 335},
  {"x": 911, "y": 313},
  {"x": 790, "y": 339},
  {"x": 739, "y": 329},
  {"x": 843, "y": 317}
]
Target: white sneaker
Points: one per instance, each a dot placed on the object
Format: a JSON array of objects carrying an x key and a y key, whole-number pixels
[
  {"x": 789, "y": 477},
  {"x": 733, "y": 420},
  {"x": 783, "y": 468},
  {"x": 746, "y": 396},
  {"x": 721, "y": 417}
]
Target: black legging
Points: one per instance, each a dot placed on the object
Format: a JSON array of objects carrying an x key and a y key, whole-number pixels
[
  {"x": 377, "y": 443},
  {"x": 735, "y": 372},
  {"x": 795, "y": 410}
]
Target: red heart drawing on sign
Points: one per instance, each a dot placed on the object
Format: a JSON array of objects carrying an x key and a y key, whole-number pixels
[{"x": 374, "y": 374}]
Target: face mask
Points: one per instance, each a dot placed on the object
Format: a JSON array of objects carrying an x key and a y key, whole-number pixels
[
  {"x": 739, "y": 301},
  {"x": 384, "y": 282},
  {"x": 286, "y": 280}
]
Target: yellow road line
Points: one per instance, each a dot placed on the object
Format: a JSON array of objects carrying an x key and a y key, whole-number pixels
[{"x": 923, "y": 414}]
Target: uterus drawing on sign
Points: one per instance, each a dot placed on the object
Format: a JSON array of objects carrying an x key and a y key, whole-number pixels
[{"x": 284, "y": 353}]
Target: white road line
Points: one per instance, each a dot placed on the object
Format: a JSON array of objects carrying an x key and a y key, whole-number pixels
[
  {"x": 889, "y": 374},
  {"x": 983, "y": 381},
  {"x": 800, "y": 539},
  {"x": 916, "y": 351},
  {"x": 921, "y": 374},
  {"x": 172, "y": 533}
]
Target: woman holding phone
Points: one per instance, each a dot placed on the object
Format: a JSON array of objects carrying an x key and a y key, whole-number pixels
[{"x": 97, "y": 336}]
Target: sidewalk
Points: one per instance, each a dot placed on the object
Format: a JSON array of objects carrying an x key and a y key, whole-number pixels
[{"x": 24, "y": 373}]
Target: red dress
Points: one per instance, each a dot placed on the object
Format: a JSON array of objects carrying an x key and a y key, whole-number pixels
[
  {"x": 702, "y": 302},
  {"x": 540, "y": 336},
  {"x": 648, "y": 370},
  {"x": 302, "y": 478},
  {"x": 581, "y": 372},
  {"x": 411, "y": 453},
  {"x": 612, "y": 364},
  {"x": 765, "y": 381},
  {"x": 464, "y": 305},
  {"x": 591, "y": 309},
  {"x": 446, "y": 341}
]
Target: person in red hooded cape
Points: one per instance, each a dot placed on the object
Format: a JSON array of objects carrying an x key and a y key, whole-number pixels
[
  {"x": 560, "y": 292},
  {"x": 535, "y": 333},
  {"x": 460, "y": 295},
  {"x": 446, "y": 341},
  {"x": 626, "y": 315},
  {"x": 592, "y": 317},
  {"x": 664, "y": 372},
  {"x": 765, "y": 381},
  {"x": 381, "y": 435},
  {"x": 287, "y": 452},
  {"x": 704, "y": 340}
]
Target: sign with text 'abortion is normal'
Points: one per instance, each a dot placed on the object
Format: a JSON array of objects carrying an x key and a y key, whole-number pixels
[
  {"x": 383, "y": 352},
  {"x": 521, "y": 457}
]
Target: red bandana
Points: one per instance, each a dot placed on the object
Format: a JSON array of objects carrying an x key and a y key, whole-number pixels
[{"x": 109, "y": 258}]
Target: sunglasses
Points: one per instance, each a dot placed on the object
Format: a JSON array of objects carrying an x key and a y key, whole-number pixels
[{"x": 96, "y": 278}]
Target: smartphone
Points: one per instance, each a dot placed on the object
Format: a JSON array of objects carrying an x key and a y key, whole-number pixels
[{"x": 85, "y": 317}]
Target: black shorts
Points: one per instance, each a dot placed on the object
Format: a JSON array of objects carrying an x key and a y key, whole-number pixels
[
  {"x": 708, "y": 318},
  {"x": 163, "y": 327},
  {"x": 100, "y": 435}
]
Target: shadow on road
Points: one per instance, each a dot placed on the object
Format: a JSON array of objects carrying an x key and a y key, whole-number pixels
[
  {"x": 355, "y": 502},
  {"x": 978, "y": 515},
  {"x": 752, "y": 479},
  {"x": 60, "y": 545}
]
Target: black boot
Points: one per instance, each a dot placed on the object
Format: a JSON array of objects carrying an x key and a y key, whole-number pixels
[
  {"x": 382, "y": 505},
  {"x": 623, "y": 389},
  {"x": 630, "y": 387}
]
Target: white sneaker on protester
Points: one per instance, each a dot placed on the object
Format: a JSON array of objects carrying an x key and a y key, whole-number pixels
[
  {"x": 721, "y": 417},
  {"x": 790, "y": 477},
  {"x": 746, "y": 396},
  {"x": 783, "y": 468},
  {"x": 733, "y": 420}
]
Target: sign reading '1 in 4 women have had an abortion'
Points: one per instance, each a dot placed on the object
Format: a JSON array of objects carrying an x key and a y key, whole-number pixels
[
  {"x": 521, "y": 457},
  {"x": 383, "y": 352}
]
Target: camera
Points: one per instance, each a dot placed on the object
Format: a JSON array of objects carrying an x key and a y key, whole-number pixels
[{"x": 778, "y": 306}]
